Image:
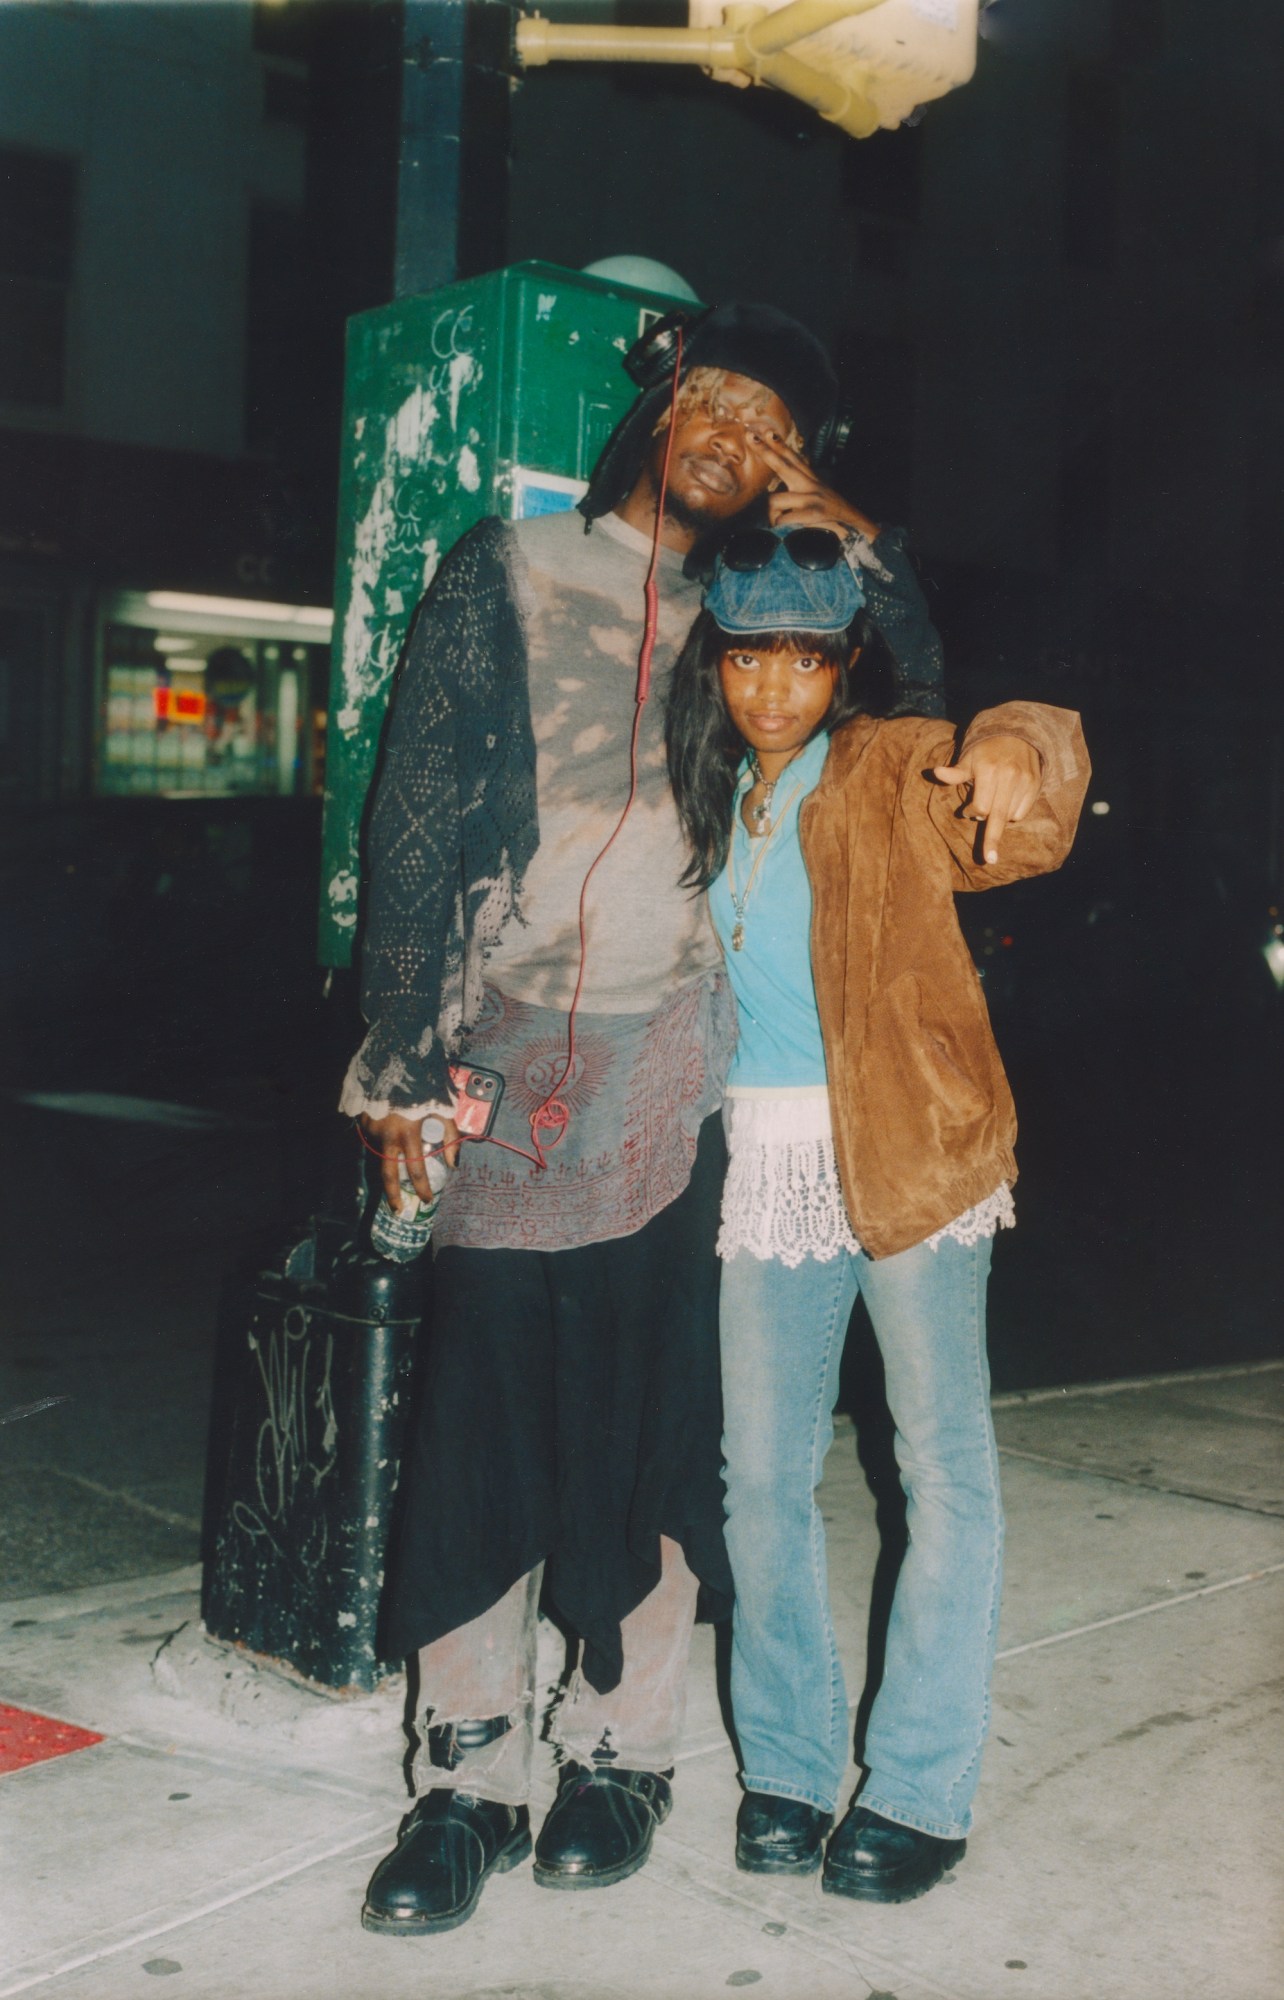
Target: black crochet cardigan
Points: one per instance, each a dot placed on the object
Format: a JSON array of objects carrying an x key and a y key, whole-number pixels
[{"x": 454, "y": 823}]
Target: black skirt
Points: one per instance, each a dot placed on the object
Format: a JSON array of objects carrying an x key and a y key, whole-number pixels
[{"x": 572, "y": 1414}]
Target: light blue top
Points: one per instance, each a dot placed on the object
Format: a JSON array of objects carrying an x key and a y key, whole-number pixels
[{"x": 779, "y": 1046}]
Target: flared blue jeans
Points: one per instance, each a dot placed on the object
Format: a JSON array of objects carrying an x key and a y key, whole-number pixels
[{"x": 782, "y": 1341}]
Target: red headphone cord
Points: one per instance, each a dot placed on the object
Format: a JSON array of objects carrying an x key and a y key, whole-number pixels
[{"x": 552, "y": 1115}]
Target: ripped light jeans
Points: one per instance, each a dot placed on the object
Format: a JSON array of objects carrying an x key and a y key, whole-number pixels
[
  {"x": 487, "y": 1668},
  {"x": 782, "y": 1341}
]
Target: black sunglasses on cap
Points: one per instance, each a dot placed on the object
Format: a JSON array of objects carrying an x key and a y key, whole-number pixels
[{"x": 752, "y": 549}]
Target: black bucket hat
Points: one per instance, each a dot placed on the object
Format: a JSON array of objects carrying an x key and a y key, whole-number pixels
[{"x": 756, "y": 341}]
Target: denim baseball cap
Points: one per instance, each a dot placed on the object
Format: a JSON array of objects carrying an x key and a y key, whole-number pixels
[{"x": 779, "y": 594}]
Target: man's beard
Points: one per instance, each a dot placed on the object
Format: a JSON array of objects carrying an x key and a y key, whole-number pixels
[{"x": 701, "y": 520}]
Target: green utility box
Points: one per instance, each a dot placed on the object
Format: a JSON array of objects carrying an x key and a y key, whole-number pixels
[{"x": 493, "y": 396}]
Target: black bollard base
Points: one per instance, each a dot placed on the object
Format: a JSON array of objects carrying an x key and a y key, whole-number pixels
[{"x": 315, "y": 1388}]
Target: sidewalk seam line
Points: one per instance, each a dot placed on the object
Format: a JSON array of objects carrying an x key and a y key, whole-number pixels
[
  {"x": 87, "y": 1600},
  {"x": 136, "y": 1939},
  {"x": 245, "y": 1765},
  {"x": 1142, "y": 1611},
  {"x": 117, "y": 1493},
  {"x": 1072, "y": 1632},
  {"x": 1268, "y": 1509},
  {"x": 1014, "y": 1399}
]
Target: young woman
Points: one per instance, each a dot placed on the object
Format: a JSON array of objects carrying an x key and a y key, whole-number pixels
[{"x": 871, "y": 1133}]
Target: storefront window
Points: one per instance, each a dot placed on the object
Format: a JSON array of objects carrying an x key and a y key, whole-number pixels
[{"x": 209, "y": 712}]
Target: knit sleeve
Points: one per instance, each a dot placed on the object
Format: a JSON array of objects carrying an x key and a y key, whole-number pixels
[
  {"x": 416, "y": 888},
  {"x": 898, "y": 611}
]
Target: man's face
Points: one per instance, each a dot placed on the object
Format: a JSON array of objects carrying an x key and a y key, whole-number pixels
[{"x": 715, "y": 470}]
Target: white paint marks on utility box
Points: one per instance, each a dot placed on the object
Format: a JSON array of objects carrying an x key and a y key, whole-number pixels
[
  {"x": 343, "y": 899},
  {"x": 368, "y": 654},
  {"x": 414, "y": 423},
  {"x": 462, "y": 373}
]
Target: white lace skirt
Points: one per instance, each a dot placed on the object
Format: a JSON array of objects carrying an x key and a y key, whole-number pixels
[{"x": 782, "y": 1198}]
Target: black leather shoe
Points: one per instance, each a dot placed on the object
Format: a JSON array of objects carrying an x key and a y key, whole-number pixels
[
  {"x": 776, "y": 1836},
  {"x": 447, "y": 1845},
  {"x": 599, "y": 1827},
  {"x": 877, "y": 1861}
]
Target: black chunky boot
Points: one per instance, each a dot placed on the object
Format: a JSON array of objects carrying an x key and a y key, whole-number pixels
[
  {"x": 599, "y": 1827},
  {"x": 776, "y": 1836},
  {"x": 447, "y": 1845},
  {"x": 877, "y": 1860}
]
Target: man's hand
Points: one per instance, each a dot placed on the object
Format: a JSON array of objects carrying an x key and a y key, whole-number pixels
[
  {"x": 802, "y": 500},
  {"x": 1003, "y": 777},
  {"x": 396, "y": 1138}
]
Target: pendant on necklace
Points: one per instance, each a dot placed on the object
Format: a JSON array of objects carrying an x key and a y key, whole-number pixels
[
  {"x": 738, "y": 938},
  {"x": 761, "y": 813}
]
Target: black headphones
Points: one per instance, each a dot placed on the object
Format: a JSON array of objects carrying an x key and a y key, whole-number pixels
[
  {"x": 833, "y": 434},
  {"x": 649, "y": 363}
]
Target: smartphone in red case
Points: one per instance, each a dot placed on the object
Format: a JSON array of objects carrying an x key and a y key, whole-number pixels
[{"x": 476, "y": 1093}]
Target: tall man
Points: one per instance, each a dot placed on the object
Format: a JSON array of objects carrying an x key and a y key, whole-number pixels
[{"x": 571, "y": 1417}]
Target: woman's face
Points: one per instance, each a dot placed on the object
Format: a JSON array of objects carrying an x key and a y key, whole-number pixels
[{"x": 778, "y": 699}]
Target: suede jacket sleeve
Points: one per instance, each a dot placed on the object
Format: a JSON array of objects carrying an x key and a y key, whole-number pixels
[{"x": 1041, "y": 841}]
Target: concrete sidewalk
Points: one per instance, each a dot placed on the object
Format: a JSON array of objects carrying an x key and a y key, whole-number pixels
[{"x": 1128, "y": 1842}]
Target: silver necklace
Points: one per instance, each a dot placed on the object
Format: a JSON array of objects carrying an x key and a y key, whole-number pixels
[{"x": 740, "y": 903}]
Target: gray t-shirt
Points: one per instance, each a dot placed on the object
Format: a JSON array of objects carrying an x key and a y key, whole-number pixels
[{"x": 582, "y": 609}]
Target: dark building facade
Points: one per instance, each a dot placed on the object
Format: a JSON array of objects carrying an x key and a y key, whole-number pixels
[{"x": 1057, "y": 303}]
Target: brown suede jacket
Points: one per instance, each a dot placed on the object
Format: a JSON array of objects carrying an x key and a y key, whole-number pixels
[{"x": 923, "y": 1118}]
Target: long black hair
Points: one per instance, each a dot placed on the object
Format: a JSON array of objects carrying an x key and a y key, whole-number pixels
[{"x": 703, "y": 745}]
